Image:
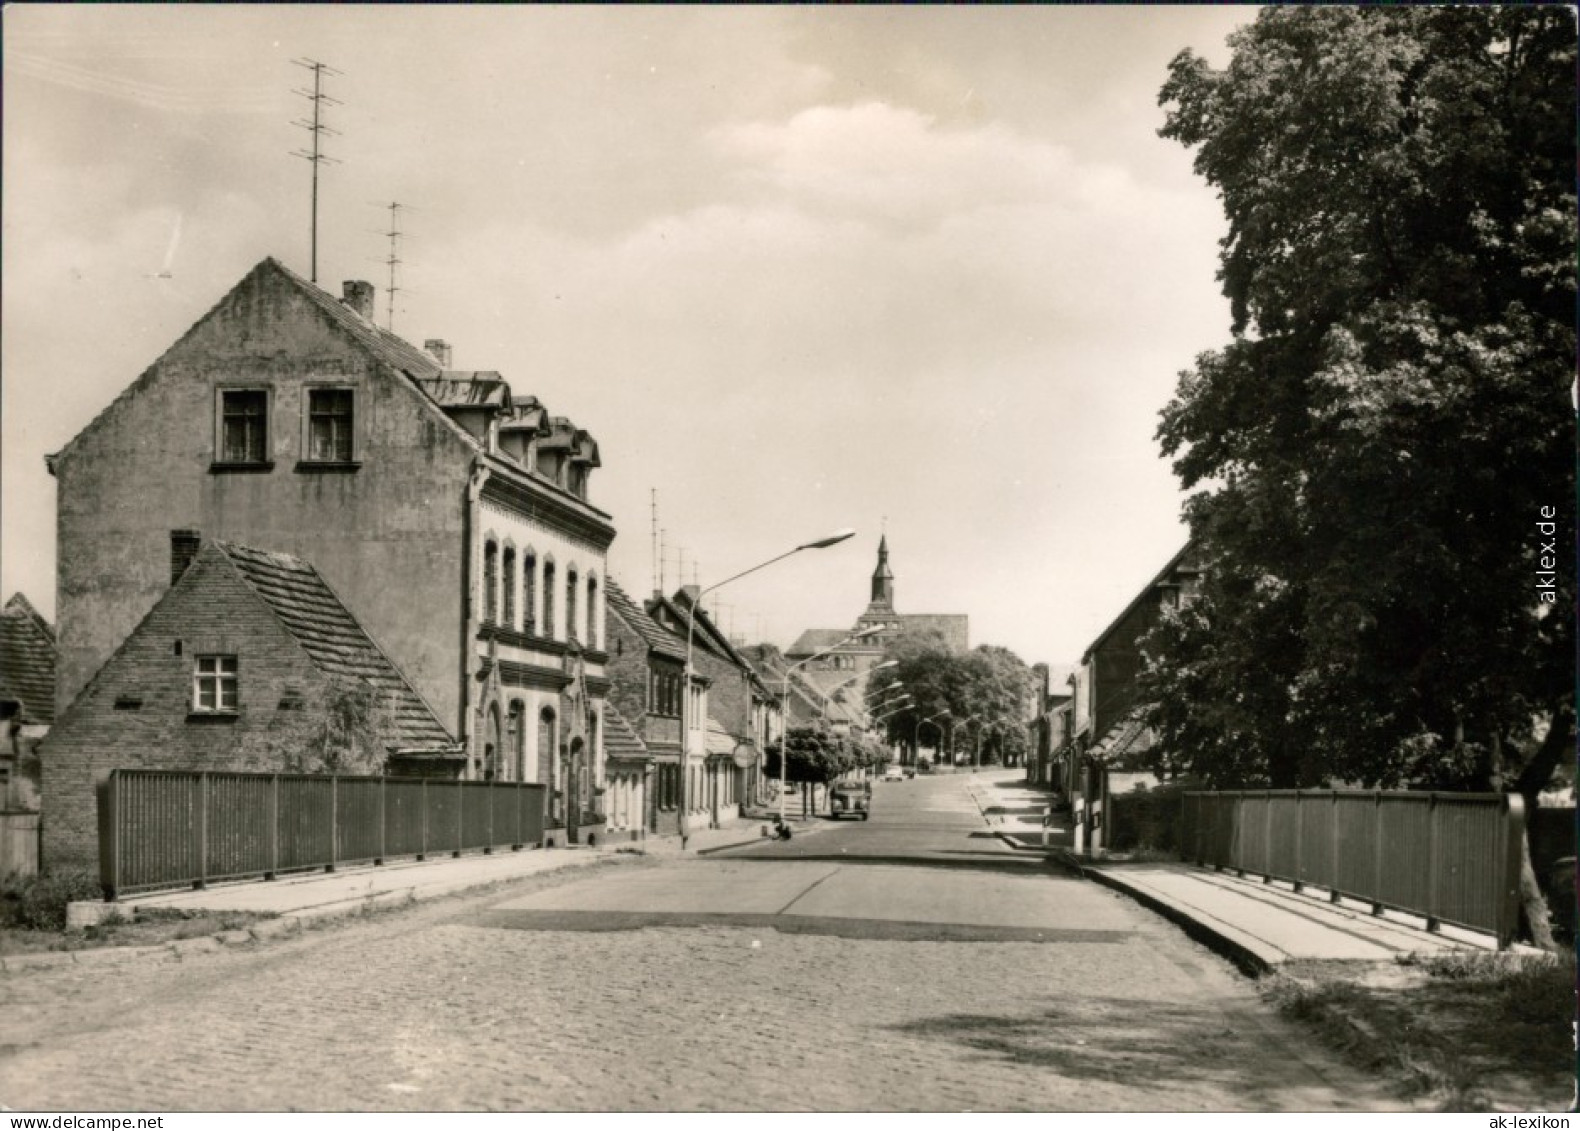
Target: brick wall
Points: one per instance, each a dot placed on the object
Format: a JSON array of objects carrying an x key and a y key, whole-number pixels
[{"x": 210, "y": 610}]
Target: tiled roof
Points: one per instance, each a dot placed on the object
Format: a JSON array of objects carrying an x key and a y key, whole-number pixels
[
  {"x": 27, "y": 661},
  {"x": 815, "y": 640},
  {"x": 658, "y": 638},
  {"x": 620, "y": 741},
  {"x": 718, "y": 740},
  {"x": 334, "y": 639},
  {"x": 395, "y": 351},
  {"x": 1130, "y": 735}
]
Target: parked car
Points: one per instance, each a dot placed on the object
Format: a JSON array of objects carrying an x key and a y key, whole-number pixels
[
  {"x": 850, "y": 798},
  {"x": 894, "y": 773}
]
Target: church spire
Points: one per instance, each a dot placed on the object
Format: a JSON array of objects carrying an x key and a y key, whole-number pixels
[{"x": 883, "y": 577}]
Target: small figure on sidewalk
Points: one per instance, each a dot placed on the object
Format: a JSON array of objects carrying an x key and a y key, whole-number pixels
[{"x": 781, "y": 830}]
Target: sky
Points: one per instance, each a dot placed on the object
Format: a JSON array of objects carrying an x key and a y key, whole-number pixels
[{"x": 926, "y": 272}]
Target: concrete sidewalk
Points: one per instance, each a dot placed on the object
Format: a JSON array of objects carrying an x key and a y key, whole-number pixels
[
  {"x": 1257, "y": 925},
  {"x": 1263, "y": 925}
]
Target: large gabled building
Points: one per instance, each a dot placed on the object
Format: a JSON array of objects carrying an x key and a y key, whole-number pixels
[{"x": 451, "y": 517}]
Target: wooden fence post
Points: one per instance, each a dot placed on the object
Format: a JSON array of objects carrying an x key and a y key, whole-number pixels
[
  {"x": 274, "y": 827},
  {"x": 1377, "y": 852},
  {"x": 1434, "y": 874},
  {"x": 422, "y": 797},
  {"x": 202, "y": 845},
  {"x": 1513, "y": 846},
  {"x": 1300, "y": 841},
  {"x": 334, "y": 822},
  {"x": 1333, "y": 856},
  {"x": 460, "y": 815},
  {"x": 383, "y": 819}
]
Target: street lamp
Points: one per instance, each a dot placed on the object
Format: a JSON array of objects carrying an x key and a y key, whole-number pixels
[
  {"x": 929, "y": 719},
  {"x": 691, "y": 625},
  {"x": 828, "y": 693},
  {"x": 784, "y": 711}
]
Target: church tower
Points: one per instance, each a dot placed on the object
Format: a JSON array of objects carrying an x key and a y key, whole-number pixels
[{"x": 883, "y": 578}]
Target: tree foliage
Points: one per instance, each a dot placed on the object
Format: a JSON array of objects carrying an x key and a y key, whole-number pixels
[
  {"x": 815, "y": 756},
  {"x": 989, "y": 682},
  {"x": 1373, "y": 449}
]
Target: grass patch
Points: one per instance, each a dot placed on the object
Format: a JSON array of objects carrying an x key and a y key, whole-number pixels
[
  {"x": 1461, "y": 1031},
  {"x": 33, "y": 917}
]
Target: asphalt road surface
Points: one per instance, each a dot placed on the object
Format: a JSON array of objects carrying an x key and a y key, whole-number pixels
[{"x": 905, "y": 963}]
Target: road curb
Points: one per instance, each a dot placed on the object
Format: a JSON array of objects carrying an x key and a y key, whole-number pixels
[
  {"x": 1252, "y": 957},
  {"x": 287, "y": 924}
]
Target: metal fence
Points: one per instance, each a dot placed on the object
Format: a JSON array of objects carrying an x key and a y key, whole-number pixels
[
  {"x": 1451, "y": 857},
  {"x": 171, "y": 828}
]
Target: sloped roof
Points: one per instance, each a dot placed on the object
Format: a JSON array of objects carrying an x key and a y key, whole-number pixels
[
  {"x": 27, "y": 661},
  {"x": 455, "y": 389},
  {"x": 706, "y": 633},
  {"x": 718, "y": 740},
  {"x": 526, "y": 414},
  {"x": 620, "y": 740},
  {"x": 1176, "y": 562},
  {"x": 815, "y": 640},
  {"x": 658, "y": 638},
  {"x": 334, "y": 640},
  {"x": 1130, "y": 735}
]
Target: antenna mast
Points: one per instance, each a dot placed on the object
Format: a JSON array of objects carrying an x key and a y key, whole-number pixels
[
  {"x": 394, "y": 259},
  {"x": 316, "y": 127},
  {"x": 658, "y": 584}
]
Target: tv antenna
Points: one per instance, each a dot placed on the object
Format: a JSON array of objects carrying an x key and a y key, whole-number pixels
[
  {"x": 316, "y": 156},
  {"x": 395, "y": 235}
]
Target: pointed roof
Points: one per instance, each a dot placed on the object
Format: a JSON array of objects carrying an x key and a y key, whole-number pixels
[
  {"x": 1177, "y": 562},
  {"x": 27, "y": 661},
  {"x": 883, "y": 572},
  {"x": 658, "y": 638},
  {"x": 334, "y": 639},
  {"x": 620, "y": 740}
]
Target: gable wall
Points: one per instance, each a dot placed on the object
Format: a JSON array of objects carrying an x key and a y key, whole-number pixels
[
  {"x": 387, "y": 537},
  {"x": 211, "y": 610}
]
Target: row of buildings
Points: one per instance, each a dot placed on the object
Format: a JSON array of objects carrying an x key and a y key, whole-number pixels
[
  {"x": 1090, "y": 740},
  {"x": 295, "y": 520}
]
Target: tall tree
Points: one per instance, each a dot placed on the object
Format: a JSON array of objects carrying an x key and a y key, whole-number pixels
[{"x": 1382, "y": 453}]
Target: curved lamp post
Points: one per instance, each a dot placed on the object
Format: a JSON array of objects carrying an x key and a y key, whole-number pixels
[
  {"x": 784, "y": 709},
  {"x": 828, "y": 693},
  {"x": 935, "y": 722},
  {"x": 691, "y": 624}
]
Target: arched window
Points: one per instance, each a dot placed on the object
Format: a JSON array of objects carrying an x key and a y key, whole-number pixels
[
  {"x": 490, "y": 579},
  {"x": 548, "y": 757},
  {"x": 592, "y": 611},
  {"x": 548, "y": 599},
  {"x": 516, "y": 740},
  {"x": 572, "y": 629},
  {"x": 510, "y": 587},
  {"x": 529, "y": 591}
]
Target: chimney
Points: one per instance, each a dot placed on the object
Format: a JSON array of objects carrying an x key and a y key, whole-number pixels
[
  {"x": 358, "y": 296},
  {"x": 183, "y": 548},
  {"x": 440, "y": 349},
  {"x": 693, "y": 593}
]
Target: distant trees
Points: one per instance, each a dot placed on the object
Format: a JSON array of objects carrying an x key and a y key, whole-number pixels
[
  {"x": 1383, "y": 451},
  {"x": 989, "y": 682}
]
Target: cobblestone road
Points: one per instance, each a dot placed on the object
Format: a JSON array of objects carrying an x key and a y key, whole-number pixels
[{"x": 427, "y": 1009}]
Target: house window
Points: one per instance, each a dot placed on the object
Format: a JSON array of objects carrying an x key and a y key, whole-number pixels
[
  {"x": 490, "y": 579},
  {"x": 529, "y": 587},
  {"x": 244, "y": 426},
  {"x": 570, "y": 604},
  {"x": 214, "y": 683},
  {"x": 510, "y": 587},
  {"x": 548, "y": 600},
  {"x": 329, "y": 420},
  {"x": 592, "y": 612}
]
